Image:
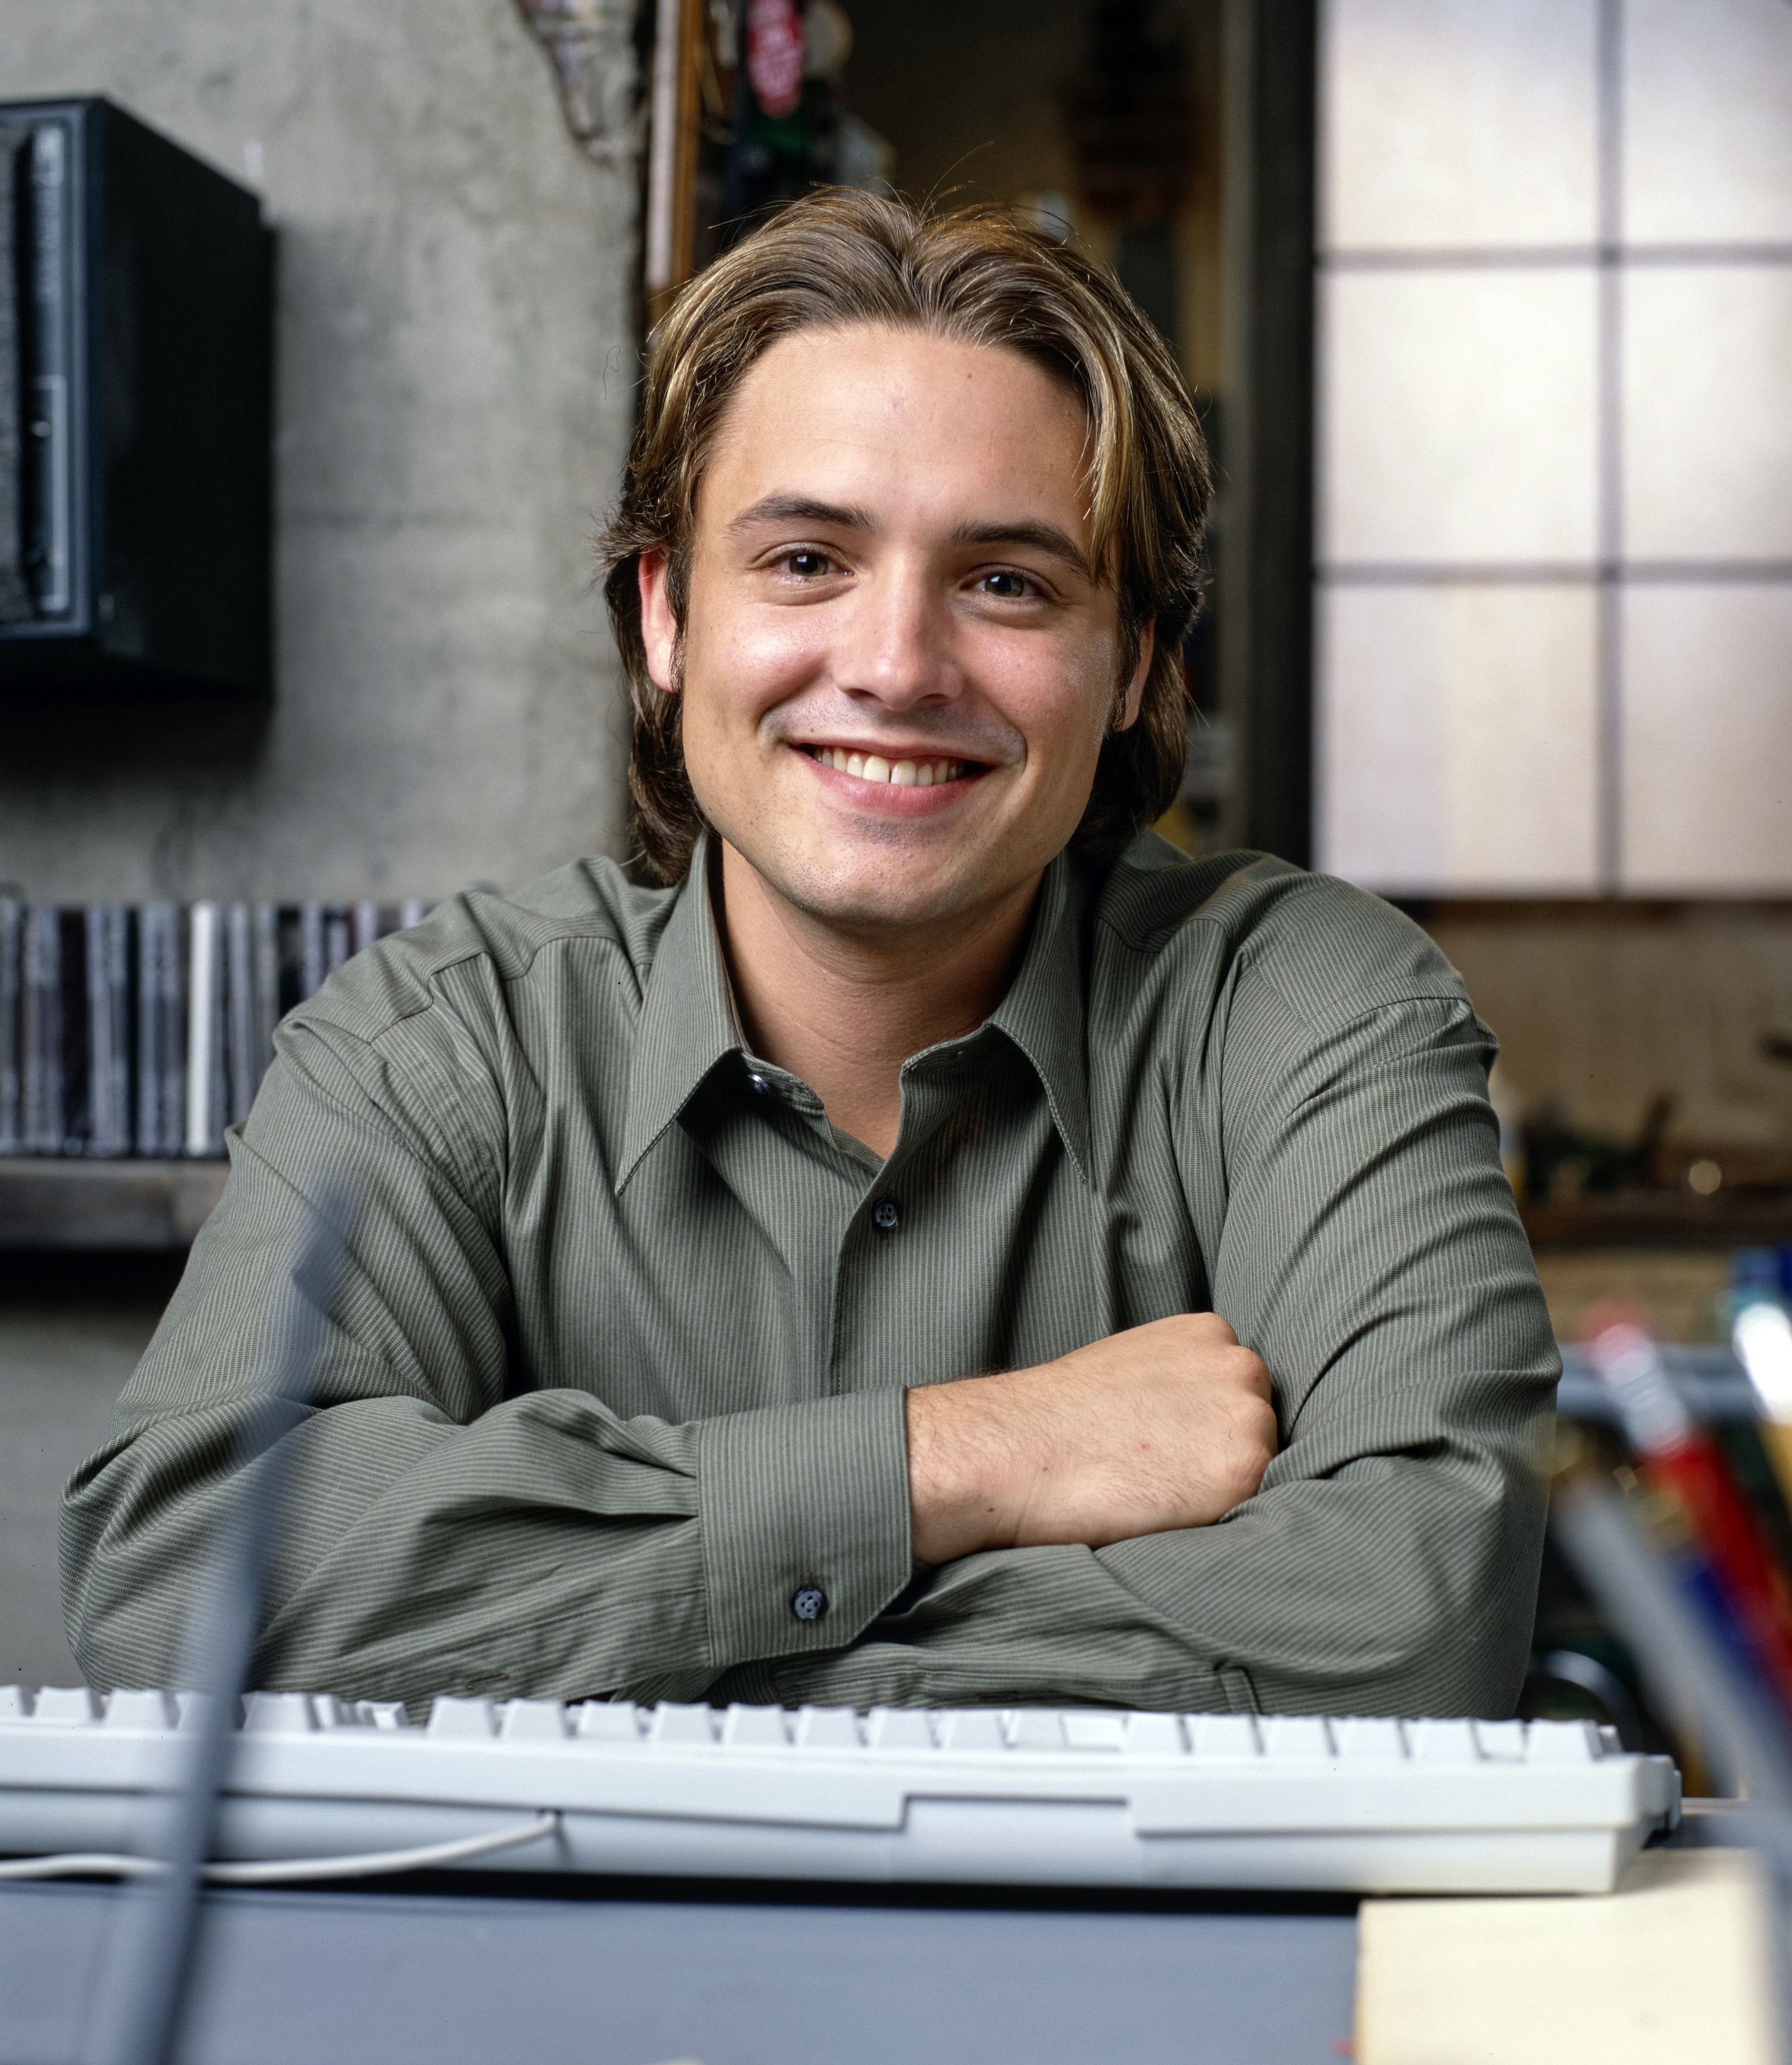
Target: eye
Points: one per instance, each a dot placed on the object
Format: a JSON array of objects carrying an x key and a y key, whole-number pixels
[
  {"x": 1006, "y": 585},
  {"x": 806, "y": 563}
]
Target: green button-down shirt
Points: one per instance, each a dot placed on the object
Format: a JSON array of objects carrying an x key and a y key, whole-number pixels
[{"x": 617, "y": 1369}]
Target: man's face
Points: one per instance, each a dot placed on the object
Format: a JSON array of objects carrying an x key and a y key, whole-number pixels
[{"x": 899, "y": 665}]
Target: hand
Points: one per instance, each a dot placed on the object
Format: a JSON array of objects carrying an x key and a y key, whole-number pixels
[{"x": 1166, "y": 1425}]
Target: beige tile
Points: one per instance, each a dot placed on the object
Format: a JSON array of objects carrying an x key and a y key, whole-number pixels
[
  {"x": 1450, "y": 122},
  {"x": 1456, "y": 416},
  {"x": 1677, "y": 1966},
  {"x": 1707, "y": 740},
  {"x": 1456, "y": 737},
  {"x": 1708, "y": 411},
  {"x": 1707, "y": 120}
]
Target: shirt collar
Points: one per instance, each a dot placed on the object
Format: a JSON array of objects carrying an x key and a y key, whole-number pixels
[
  {"x": 688, "y": 1022},
  {"x": 1043, "y": 1013}
]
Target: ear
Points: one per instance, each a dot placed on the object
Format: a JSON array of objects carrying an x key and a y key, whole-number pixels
[
  {"x": 659, "y": 627},
  {"x": 1128, "y": 715}
]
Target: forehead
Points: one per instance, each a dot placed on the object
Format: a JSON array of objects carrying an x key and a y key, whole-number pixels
[{"x": 922, "y": 422}]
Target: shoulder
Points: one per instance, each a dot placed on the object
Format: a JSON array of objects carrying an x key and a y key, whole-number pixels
[
  {"x": 1330, "y": 952},
  {"x": 477, "y": 944}
]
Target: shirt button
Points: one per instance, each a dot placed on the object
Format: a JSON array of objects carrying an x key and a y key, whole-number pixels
[
  {"x": 759, "y": 1084},
  {"x": 809, "y": 1602},
  {"x": 885, "y": 1216}
]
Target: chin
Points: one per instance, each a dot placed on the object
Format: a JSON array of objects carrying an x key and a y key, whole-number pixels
[{"x": 853, "y": 894}]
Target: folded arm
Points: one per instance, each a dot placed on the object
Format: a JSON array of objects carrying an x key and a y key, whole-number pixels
[
  {"x": 1382, "y": 1556},
  {"x": 444, "y": 1528}
]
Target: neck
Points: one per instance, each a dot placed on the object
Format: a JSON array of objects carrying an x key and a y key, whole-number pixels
[{"x": 843, "y": 1011}]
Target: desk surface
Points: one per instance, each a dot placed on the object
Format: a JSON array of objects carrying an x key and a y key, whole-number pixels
[{"x": 411, "y": 1977}]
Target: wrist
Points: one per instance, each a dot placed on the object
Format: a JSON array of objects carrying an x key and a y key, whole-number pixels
[{"x": 958, "y": 1494}]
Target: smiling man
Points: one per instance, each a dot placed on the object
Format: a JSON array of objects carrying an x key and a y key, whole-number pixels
[{"x": 941, "y": 1246}]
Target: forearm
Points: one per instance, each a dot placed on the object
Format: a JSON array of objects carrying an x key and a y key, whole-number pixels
[
  {"x": 546, "y": 1550},
  {"x": 1160, "y": 1427},
  {"x": 437, "y": 1535},
  {"x": 1397, "y": 1585}
]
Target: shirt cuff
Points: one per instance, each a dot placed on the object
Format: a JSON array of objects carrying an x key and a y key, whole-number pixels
[{"x": 804, "y": 1514}]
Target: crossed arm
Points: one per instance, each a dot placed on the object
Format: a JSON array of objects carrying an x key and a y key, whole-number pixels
[
  {"x": 1118, "y": 1525},
  {"x": 1168, "y": 1425}
]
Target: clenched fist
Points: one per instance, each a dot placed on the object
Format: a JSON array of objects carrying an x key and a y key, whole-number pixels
[{"x": 1166, "y": 1425}]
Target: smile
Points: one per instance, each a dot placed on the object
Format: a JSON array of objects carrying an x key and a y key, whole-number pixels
[{"x": 897, "y": 774}]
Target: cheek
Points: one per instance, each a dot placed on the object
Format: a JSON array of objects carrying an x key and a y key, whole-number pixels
[
  {"x": 1063, "y": 703},
  {"x": 752, "y": 657}
]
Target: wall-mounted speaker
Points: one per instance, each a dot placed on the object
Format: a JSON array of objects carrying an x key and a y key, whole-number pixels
[{"x": 135, "y": 412}]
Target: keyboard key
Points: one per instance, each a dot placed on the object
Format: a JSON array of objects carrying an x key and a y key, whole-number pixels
[
  {"x": 384, "y": 1714},
  {"x": 828, "y": 1727},
  {"x": 1224, "y": 1735},
  {"x": 68, "y": 1706},
  {"x": 608, "y": 1720},
  {"x": 678, "y": 1724},
  {"x": 15, "y": 1703},
  {"x": 899, "y": 1728},
  {"x": 1036, "y": 1728},
  {"x": 756, "y": 1728},
  {"x": 981, "y": 1728},
  {"x": 280, "y": 1714},
  {"x": 1155, "y": 1734},
  {"x": 1562, "y": 1742},
  {"x": 1368, "y": 1740},
  {"x": 1296, "y": 1735},
  {"x": 462, "y": 1720},
  {"x": 1095, "y": 1731},
  {"x": 1442, "y": 1742},
  {"x": 151, "y": 1710},
  {"x": 1502, "y": 1741},
  {"x": 533, "y": 1720}
]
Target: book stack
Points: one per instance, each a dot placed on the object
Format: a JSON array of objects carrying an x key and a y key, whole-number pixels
[{"x": 145, "y": 1029}]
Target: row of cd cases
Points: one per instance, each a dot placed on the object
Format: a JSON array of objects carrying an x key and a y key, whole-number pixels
[{"x": 145, "y": 1029}]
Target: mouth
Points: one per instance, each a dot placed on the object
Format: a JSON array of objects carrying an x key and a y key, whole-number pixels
[{"x": 930, "y": 772}]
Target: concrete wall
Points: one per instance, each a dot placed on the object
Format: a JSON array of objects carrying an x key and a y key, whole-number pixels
[
  {"x": 456, "y": 365},
  {"x": 457, "y": 357}
]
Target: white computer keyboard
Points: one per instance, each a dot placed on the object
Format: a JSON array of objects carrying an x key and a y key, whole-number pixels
[{"x": 1027, "y": 1795}]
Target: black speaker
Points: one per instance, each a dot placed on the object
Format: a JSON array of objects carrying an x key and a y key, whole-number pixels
[{"x": 135, "y": 411}]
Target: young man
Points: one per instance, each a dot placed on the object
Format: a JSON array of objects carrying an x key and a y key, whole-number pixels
[{"x": 939, "y": 1246}]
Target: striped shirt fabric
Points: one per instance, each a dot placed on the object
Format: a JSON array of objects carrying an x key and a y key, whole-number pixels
[{"x": 611, "y": 1400}]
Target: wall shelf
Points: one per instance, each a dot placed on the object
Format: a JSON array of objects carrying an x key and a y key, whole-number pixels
[
  {"x": 1663, "y": 1219},
  {"x": 47, "y": 1203}
]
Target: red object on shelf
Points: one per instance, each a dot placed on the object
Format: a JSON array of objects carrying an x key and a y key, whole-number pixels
[
  {"x": 1677, "y": 1458},
  {"x": 774, "y": 55}
]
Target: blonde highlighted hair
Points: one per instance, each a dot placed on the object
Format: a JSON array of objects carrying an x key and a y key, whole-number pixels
[{"x": 980, "y": 276}]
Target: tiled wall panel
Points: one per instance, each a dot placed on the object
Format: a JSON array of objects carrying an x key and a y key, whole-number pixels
[{"x": 1456, "y": 732}]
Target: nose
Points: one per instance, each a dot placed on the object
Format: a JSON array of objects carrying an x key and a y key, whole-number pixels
[{"x": 897, "y": 648}]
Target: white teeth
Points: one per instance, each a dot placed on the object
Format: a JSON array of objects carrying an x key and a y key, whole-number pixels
[{"x": 905, "y": 774}]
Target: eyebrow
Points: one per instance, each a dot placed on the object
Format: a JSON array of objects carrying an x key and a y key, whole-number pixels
[
  {"x": 801, "y": 509},
  {"x": 1046, "y": 538}
]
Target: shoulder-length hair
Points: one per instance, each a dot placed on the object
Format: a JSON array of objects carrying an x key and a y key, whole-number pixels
[{"x": 980, "y": 276}]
